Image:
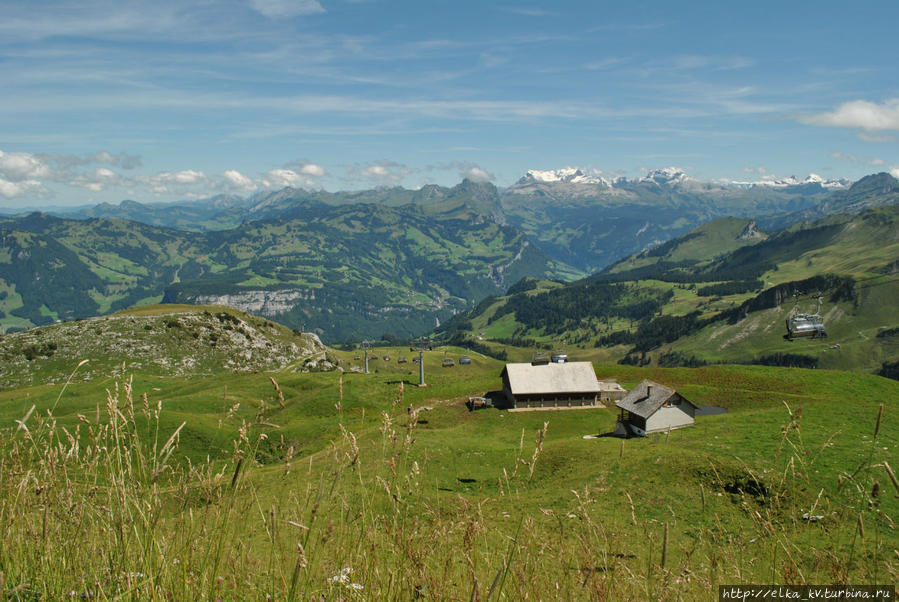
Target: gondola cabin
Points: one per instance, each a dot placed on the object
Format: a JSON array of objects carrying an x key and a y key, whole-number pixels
[
  {"x": 801, "y": 325},
  {"x": 805, "y": 325}
]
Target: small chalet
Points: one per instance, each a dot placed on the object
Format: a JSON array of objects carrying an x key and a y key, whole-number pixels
[
  {"x": 551, "y": 385},
  {"x": 653, "y": 408}
]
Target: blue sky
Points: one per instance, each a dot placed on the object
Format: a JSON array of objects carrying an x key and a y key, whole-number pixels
[{"x": 103, "y": 101}]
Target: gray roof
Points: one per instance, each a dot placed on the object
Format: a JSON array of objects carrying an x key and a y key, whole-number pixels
[
  {"x": 640, "y": 402},
  {"x": 569, "y": 377}
]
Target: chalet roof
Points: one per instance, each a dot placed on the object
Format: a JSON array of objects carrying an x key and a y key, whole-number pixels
[
  {"x": 568, "y": 377},
  {"x": 646, "y": 398}
]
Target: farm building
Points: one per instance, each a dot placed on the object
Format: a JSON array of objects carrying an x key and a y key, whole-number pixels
[
  {"x": 551, "y": 385},
  {"x": 653, "y": 408},
  {"x": 609, "y": 390}
]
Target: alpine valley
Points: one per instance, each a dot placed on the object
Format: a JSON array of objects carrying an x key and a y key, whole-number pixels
[{"x": 354, "y": 265}]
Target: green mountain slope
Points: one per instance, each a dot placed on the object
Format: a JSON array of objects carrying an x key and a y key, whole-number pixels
[
  {"x": 701, "y": 244},
  {"x": 347, "y": 271},
  {"x": 686, "y": 304}
]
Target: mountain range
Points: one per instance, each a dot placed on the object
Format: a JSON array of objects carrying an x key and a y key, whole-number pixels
[{"x": 351, "y": 265}]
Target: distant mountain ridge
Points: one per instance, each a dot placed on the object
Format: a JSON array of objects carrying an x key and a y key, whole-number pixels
[{"x": 357, "y": 264}]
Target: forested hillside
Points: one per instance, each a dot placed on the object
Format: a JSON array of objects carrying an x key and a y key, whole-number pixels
[{"x": 683, "y": 303}]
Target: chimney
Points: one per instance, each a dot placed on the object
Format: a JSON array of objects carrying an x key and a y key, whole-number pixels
[{"x": 649, "y": 390}]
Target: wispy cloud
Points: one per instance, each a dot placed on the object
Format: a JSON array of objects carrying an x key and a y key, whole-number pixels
[
  {"x": 848, "y": 157},
  {"x": 528, "y": 11},
  {"x": 875, "y": 138},
  {"x": 380, "y": 173},
  {"x": 707, "y": 62},
  {"x": 275, "y": 9},
  {"x": 97, "y": 180}
]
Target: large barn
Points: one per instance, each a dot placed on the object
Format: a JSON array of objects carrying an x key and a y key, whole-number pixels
[
  {"x": 653, "y": 408},
  {"x": 551, "y": 385}
]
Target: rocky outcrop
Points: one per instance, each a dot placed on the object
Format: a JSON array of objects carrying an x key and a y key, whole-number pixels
[
  {"x": 751, "y": 232},
  {"x": 260, "y": 302}
]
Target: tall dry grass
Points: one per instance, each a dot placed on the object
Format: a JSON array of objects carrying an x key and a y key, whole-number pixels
[{"x": 107, "y": 510}]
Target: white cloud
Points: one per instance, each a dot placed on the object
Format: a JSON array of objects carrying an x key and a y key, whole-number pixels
[
  {"x": 123, "y": 160},
  {"x": 97, "y": 180},
  {"x": 381, "y": 173},
  {"x": 282, "y": 178},
  {"x": 476, "y": 174},
  {"x": 465, "y": 169},
  {"x": 861, "y": 114},
  {"x": 63, "y": 164},
  {"x": 311, "y": 169},
  {"x": 104, "y": 157},
  {"x": 894, "y": 171},
  {"x": 25, "y": 173},
  {"x": 17, "y": 167},
  {"x": 187, "y": 176},
  {"x": 276, "y": 9},
  {"x": 875, "y": 162},
  {"x": 21, "y": 188},
  {"x": 375, "y": 171},
  {"x": 167, "y": 182},
  {"x": 239, "y": 181}
]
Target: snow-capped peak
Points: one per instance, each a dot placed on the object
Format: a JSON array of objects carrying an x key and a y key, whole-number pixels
[
  {"x": 572, "y": 175},
  {"x": 667, "y": 175},
  {"x": 812, "y": 178}
]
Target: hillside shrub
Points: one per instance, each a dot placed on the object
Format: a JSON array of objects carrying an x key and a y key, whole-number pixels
[
  {"x": 788, "y": 360},
  {"x": 734, "y": 287},
  {"x": 673, "y": 359},
  {"x": 890, "y": 370}
]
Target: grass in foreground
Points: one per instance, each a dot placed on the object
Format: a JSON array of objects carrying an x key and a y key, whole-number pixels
[{"x": 445, "y": 504}]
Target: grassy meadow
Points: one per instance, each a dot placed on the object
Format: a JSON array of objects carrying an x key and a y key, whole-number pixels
[{"x": 285, "y": 485}]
